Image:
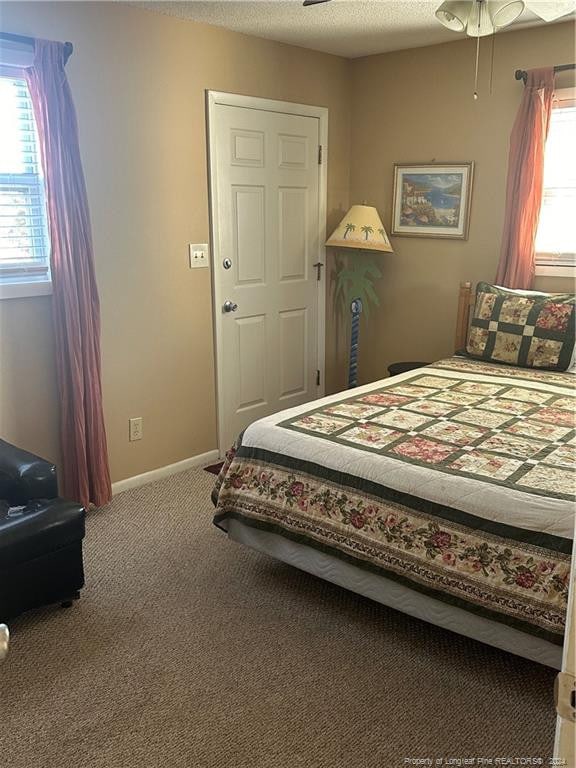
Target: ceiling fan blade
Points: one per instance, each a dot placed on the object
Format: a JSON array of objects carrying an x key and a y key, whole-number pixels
[
  {"x": 550, "y": 10},
  {"x": 314, "y": 2}
]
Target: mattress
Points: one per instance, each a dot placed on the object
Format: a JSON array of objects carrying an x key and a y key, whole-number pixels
[
  {"x": 455, "y": 481},
  {"x": 395, "y": 595}
]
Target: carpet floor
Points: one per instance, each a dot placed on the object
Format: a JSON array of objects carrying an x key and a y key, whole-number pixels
[{"x": 187, "y": 650}]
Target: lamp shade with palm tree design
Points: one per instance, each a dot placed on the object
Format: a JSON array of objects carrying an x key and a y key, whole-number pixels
[{"x": 361, "y": 228}]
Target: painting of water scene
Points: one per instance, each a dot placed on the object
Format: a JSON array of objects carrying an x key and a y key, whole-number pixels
[{"x": 432, "y": 201}]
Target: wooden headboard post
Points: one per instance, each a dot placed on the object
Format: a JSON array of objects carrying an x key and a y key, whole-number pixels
[{"x": 465, "y": 301}]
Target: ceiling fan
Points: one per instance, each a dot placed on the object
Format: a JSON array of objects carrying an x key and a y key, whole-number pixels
[{"x": 484, "y": 17}]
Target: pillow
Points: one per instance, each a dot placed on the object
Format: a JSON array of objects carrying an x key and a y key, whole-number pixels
[{"x": 523, "y": 328}]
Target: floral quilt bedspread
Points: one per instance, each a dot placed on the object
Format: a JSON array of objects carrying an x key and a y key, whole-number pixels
[{"x": 457, "y": 479}]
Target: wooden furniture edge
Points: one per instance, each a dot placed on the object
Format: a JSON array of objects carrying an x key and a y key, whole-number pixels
[{"x": 465, "y": 302}]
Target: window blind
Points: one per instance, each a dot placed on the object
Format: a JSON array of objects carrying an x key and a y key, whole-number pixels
[
  {"x": 556, "y": 237},
  {"x": 24, "y": 242}
]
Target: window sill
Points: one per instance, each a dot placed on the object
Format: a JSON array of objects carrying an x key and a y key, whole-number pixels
[
  {"x": 25, "y": 290},
  {"x": 548, "y": 270}
]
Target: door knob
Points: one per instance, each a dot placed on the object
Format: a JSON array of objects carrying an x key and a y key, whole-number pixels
[{"x": 230, "y": 306}]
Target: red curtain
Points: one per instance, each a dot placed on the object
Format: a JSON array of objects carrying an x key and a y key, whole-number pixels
[
  {"x": 525, "y": 181},
  {"x": 75, "y": 304}
]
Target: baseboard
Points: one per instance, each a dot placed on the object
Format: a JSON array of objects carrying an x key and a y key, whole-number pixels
[{"x": 171, "y": 469}]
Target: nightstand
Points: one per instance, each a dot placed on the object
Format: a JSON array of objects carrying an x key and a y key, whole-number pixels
[{"x": 395, "y": 368}]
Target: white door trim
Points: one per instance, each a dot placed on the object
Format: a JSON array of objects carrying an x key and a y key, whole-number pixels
[{"x": 214, "y": 98}]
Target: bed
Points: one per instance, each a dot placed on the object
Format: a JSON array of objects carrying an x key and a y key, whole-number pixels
[{"x": 446, "y": 492}]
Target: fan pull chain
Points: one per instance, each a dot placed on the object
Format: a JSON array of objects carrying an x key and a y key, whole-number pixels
[
  {"x": 492, "y": 61},
  {"x": 477, "y": 50}
]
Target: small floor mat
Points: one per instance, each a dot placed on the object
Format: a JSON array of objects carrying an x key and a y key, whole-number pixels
[{"x": 214, "y": 469}]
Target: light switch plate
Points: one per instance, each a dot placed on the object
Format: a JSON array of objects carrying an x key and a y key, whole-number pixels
[{"x": 199, "y": 255}]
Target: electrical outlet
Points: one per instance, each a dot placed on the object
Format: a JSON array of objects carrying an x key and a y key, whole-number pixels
[
  {"x": 198, "y": 255},
  {"x": 136, "y": 429}
]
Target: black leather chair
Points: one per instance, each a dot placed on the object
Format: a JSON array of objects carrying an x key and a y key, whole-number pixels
[{"x": 40, "y": 536}]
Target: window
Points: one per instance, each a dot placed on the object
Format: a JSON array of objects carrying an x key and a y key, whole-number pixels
[
  {"x": 556, "y": 236},
  {"x": 24, "y": 242}
]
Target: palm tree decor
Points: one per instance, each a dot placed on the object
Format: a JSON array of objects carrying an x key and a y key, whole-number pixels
[
  {"x": 360, "y": 229},
  {"x": 355, "y": 280},
  {"x": 355, "y": 289}
]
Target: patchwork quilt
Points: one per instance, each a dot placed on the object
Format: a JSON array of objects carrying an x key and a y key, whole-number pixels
[{"x": 456, "y": 479}]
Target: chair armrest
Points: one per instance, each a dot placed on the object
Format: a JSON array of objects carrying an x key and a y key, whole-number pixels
[{"x": 24, "y": 476}]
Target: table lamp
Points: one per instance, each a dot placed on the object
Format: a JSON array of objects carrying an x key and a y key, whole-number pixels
[{"x": 362, "y": 230}]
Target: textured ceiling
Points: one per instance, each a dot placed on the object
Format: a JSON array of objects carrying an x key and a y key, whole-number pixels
[{"x": 348, "y": 28}]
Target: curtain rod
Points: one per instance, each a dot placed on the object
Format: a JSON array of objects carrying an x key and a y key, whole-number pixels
[
  {"x": 521, "y": 74},
  {"x": 68, "y": 47}
]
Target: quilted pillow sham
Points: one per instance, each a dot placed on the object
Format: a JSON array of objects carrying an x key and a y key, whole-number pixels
[{"x": 523, "y": 328}]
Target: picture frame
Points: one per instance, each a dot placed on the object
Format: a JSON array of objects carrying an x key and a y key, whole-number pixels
[{"x": 432, "y": 199}]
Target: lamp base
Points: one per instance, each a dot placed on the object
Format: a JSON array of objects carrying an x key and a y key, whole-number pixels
[{"x": 356, "y": 311}]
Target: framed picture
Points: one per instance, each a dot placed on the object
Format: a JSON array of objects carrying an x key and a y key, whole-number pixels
[{"x": 432, "y": 200}]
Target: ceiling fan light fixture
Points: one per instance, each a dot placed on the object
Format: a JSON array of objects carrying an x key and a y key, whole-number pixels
[
  {"x": 313, "y": 2},
  {"x": 550, "y": 10},
  {"x": 480, "y": 19},
  {"x": 453, "y": 14},
  {"x": 504, "y": 13}
]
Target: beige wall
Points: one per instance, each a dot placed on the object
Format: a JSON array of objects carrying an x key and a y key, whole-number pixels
[
  {"x": 138, "y": 80},
  {"x": 416, "y": 106}
]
